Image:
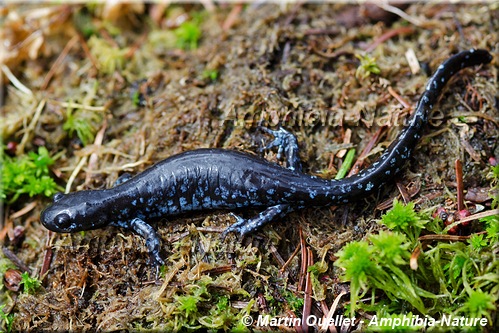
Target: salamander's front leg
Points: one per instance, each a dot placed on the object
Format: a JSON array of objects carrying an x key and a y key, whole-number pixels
[
  {"x": 246, "y": 226},
  {"x": 147, "y": 232},
  {"x": 286, "y": 143}
]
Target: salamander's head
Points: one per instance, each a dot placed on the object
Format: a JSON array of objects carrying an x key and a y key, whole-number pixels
[{"x": 74, "y": 212}]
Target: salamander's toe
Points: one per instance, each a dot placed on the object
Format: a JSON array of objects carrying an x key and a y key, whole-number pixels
[
  {"x": 286, "y": 144},
  {"x": 236, "y": 227},
  {"x": 156, "y": 263}
]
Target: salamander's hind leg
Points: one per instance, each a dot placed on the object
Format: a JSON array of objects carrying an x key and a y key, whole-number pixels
[
  {"x": 246, "y": 226},
  {"x": 147, "y": 232},
  {"x": 286, "y": 143}
]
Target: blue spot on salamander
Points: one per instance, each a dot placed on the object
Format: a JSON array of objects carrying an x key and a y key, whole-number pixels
[{"x": 369, "y": 186}]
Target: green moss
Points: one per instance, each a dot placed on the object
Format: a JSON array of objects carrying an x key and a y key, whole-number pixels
[
  {"x": 83, "y": 123},
  {"x": 404, "y": 219},
  {"x": 355, "y": 260},
  {"x": 477, "y": 242},
  {"x": 27, "y": 174},
  {"x": 109, "y": 57},
  {"x": 367, "y": 66},
  {"x": 7, "y": 320},
  {"x": 29, "y": 283},
  {"x": 492, "y": 228},
  {"x": 188, "y": 34},
  {"x": 83, "y": 22},
  {"x": 295, "y": 303},
  {"x": 494, "y": 185},
  {"x": 381, "y": 263},
  {"x": 211, "y": 74},
  {"x": 199, "y": 306},
  {"x": 478, "y": 304}
]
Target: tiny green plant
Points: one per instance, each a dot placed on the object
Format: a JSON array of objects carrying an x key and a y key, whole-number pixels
[
  {"x": 201, "y": 307},
  {"x": 479, "y": 304},
  {"x": 30, "y": 284},
  {"x": 109, "y": 57},
  {"x": 492, "y": 228},
  {"x": 494, "y": 185},
  {"x": 136, "y": 98},
  {"x": 187, "y": 304},
  {"x": 83, "y": 21},
  {"x": 355, "y": 259},
  {"x": 404, "y": 219},
  {"x": 295, "y": 303},
  {"x": 347, "y": 164},
  {"x": 8, "y": 319},
  {"x": 188, "y": 34},
  {"x": 211, "y": 74},
  {"x": 220, "y": 316},
  {"x": 367, "y": 66},
  {"x": 81, "y": 123},
  {"x": 477, "y": 242},
  {"x": 379, "y": 265},
  {"x": 27, "y": 174}
]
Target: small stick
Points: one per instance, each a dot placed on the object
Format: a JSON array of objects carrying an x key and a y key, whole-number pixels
[
  {"x": 15, "y": 259},
  {"x": 307, "y": 300},
  {"x": 403, "y": 191},
  {"x": 47, "y": 257},
  {"x": 24, "y": 210},
  {"x": 231, "y": 18},
  {"x": 358, "y": 164},
  {"x": 303, "y": 269},
  {"x": 286, "y": 264},
  {"x": 460, "y": 186},
  {"x": 399, "y": 98},
  {"x": 58, "y": 61}
]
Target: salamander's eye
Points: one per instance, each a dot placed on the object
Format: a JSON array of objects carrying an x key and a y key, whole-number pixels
[
  {"x": 58, "y": 196},
  {"x": 62, "y": 220}
]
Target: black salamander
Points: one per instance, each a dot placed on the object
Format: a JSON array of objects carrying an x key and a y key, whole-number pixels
[{"x": 209, "y": 179}]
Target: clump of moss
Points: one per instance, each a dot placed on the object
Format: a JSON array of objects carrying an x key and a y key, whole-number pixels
[
  {"x": 30, "y": 284},
  {"x": 109, "y": 57},
  {"x": 27, "y": 174},
  {"x": 83, "y": 123},
  {"x": 367, "y": 66},
  {"x": 381, "y": 263},
  {"x": 188, "y": 34},
  {"x": 494, "y": 188},
  {"x": 201, "y": 306},
  {"x": 7, "y": 319},
  {"x": 403, "y": 218}
]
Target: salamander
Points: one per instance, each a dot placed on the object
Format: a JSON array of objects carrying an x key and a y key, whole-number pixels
[{"x": 213, "y": 179}]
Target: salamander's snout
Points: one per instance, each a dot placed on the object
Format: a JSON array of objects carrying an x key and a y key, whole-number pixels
[
  {"x": 57, "y": 216},
  {"x": 76, "y": 211},
  {"x": 55, "y": 220}
]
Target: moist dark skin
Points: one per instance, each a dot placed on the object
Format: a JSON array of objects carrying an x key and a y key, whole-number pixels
[{"x": 210, "y": 179}]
